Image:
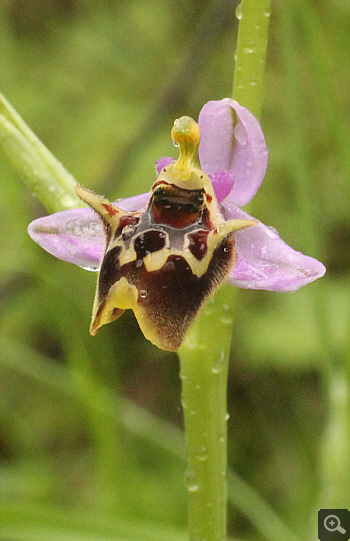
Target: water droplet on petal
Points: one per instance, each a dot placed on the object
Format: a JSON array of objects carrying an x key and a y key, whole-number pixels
[
  {"x": 239, "y": 12},
  {"x": 271, "y": 231},
  {"x": 143, "y": 293},
  {"x": 240, "y": 135}
]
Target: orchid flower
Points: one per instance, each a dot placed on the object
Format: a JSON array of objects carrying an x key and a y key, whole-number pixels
[{"x": 232, "y": 163}]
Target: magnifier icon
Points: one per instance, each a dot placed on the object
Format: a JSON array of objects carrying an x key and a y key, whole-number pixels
[{"x": 332, "y": 524}]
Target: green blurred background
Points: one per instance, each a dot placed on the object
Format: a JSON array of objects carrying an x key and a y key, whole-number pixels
[{"x": 90, "y": 446}]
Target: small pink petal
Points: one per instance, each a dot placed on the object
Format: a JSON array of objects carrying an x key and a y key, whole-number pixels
[
  {"x": 163, "y": 162},
  {"x": 239, "y": 148},
  {"x": 77, "y": 235},
  {"x": 222, "y": 183},
  {"x": 265, "y": 261}
]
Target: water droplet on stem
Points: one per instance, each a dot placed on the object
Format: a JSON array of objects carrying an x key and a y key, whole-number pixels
[{"x": 190, "y": 480}]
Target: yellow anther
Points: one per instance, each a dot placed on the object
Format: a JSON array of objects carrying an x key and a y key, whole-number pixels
[{"x": 185, "y": 134}]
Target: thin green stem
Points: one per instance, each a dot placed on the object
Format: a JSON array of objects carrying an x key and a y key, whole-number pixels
[
  {"x": 44, "y": 175},
  {"x": 204, "y": 355},
  {"x": 250, "y": 55}
]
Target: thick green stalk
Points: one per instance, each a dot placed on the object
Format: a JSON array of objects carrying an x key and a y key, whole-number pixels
[
  {"x": 250, "y": 55},
  {"x": 204, "y": 355}
]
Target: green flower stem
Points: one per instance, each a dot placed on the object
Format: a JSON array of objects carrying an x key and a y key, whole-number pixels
[
  {"x": 250, "y": 56},
  {"x": 204, "y": 355},
  {"x": 42, "y": 172}
]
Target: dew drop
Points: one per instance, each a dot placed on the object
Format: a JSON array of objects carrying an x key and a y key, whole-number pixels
[
  {"x": 216, "y": 369},
  {"x": 201, "y": 454},
  {"x": 91, "y": 269},
  {"x": 219, "y": 364},
  {"x": 239, "y": 12},
  {"x": 190, "y": 480},
  {"x": 67, "y": 201},
  {"x": 128, "y": 231},
  {"x": 225, "y": 249},
  {"x": 143, "y": 293},
  {"x": 241, "y": 135},
  {"x": 183, "y": 376},
  {"x": 226, "y": 320},
  {"x": 271, "y": 231},
  {"x": 227, "y": 317},
  {"x": 138, "y": 263},
  {"x": 250, "y": 47}
]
